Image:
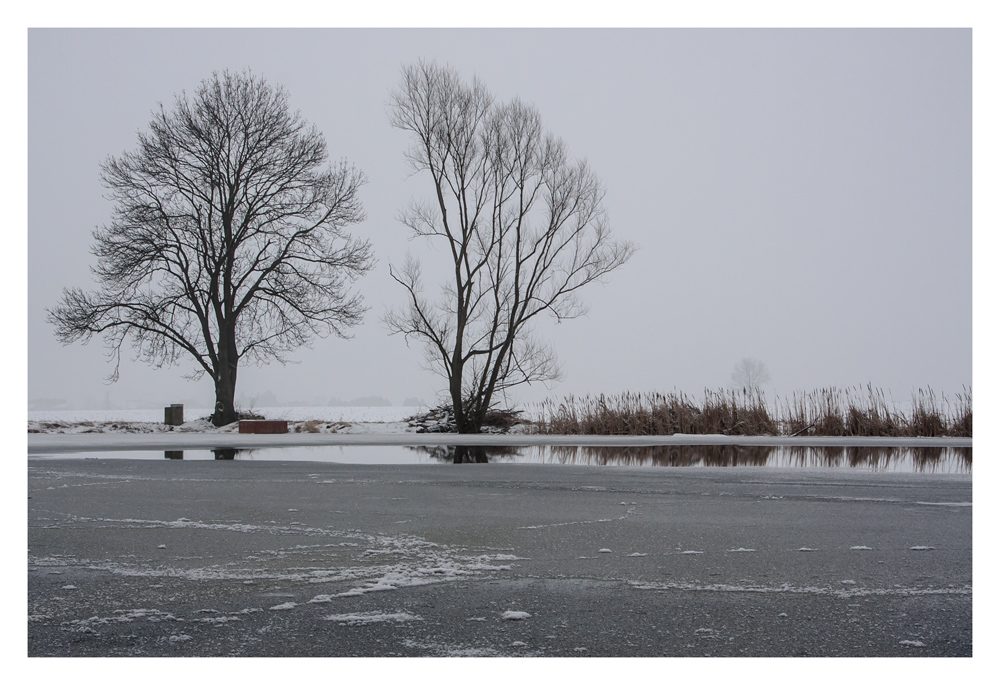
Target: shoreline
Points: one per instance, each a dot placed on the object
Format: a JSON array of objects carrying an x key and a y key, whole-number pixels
[{"x": 56, "y": 443}]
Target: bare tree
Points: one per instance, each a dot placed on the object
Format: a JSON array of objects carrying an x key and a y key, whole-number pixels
[
  {"x": 750, "y": 374},
  {"x": 524, "y": 229},
  {"x": 227, "y": 241}
]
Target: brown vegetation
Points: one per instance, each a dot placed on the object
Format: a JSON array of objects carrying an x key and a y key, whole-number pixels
[{"x": 833, "y": 412}]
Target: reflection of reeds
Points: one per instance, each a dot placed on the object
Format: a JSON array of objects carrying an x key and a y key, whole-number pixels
[
  {"x": 663, "y": 455},
  {"x": 872, "y": 458},
  {"x": 833, "y": 412},
  {"x": 883, "y": 458}
]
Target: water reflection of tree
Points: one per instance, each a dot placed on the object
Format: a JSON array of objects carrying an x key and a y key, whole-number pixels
[
  {"x": 219, "y": 454},
  {"x": 467, "y": 454}
]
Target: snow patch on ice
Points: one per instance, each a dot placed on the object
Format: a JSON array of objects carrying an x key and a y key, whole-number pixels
[
  {"x": 86, "y": 625},
  {"x": 372, "y": 617},
  {"x": 841, "y": 593},
  {"x": 570, "y": 523},
  {"x": 515, "y": 615},
  {"x": 450, "y": 650},
  {"x": 217, "y": 621},
  {"x": 351, "y": 557}
]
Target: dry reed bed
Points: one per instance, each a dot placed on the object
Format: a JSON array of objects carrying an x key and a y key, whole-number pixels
[{"x": 830, "y": 411}]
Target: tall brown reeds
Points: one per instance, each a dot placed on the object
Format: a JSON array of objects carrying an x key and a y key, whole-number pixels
[
  {"x": 829, "y": 411},
  {"x": 725, "y": 412},
  {"x": 842, "y": 413}
]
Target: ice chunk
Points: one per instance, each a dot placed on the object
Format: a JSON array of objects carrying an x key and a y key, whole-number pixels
[{"x": 515, "y": 615}]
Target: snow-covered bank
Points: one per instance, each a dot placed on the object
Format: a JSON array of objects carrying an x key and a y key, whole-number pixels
[
  {"x": 327, "y": 414},
  {"x": 150, "y": 421}
]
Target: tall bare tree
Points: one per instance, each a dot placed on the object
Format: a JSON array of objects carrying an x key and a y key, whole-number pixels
[
  {"x": 227, "y": 242},
  {"x": 523, "y": 225}
]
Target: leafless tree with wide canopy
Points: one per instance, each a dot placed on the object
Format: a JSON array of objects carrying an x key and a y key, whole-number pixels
[
  {"x": 525, "y": 230},
  {"x": 227, "y": 242}
]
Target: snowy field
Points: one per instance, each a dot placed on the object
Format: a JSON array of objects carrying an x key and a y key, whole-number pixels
[
  {"x": 378, "y": 420},
  {"x": 330, "y": 414}
]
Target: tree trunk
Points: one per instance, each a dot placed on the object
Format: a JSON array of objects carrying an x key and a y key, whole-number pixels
[
  {"x": 464, "y": 423},
  {"x": 225, "y": 382},
  {"x": 225, "y": 406},
  {"x": 465, "y": 419}
]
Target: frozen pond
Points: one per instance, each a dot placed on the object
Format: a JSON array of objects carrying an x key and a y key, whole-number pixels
[{"x": 877, "y": 459}]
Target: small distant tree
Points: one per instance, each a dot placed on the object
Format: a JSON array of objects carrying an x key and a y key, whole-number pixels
[
  {"x": 750, "y": 374},
  {"x": 523, "y": 227},
  {"x": 227, "y": 243}
]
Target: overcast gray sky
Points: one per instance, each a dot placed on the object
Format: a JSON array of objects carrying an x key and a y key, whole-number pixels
[{"x": 803, "y": 197}]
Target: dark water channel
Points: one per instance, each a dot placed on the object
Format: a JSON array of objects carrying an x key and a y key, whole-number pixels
[{"x": 905, "y": 460}]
